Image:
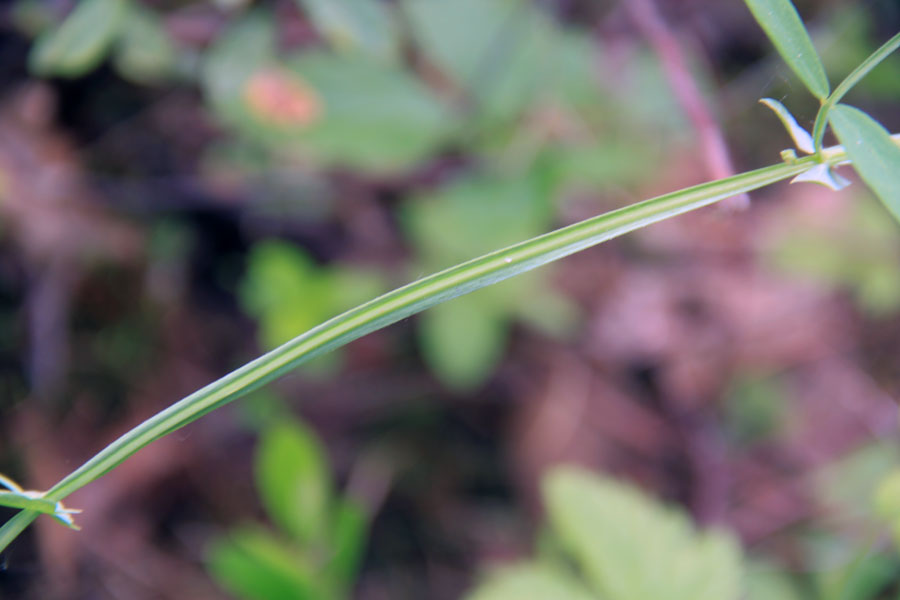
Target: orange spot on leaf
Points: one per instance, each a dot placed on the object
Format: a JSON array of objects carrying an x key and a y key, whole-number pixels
[{"x": 281, "y": 98}]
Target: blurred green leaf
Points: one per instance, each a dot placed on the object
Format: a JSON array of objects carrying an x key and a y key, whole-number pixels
[
  {"x": 241, "y": 50},
  {"x": 476, "y": 214},
  {"x": 550, "y": 312},
  {"x": 80, "y": 42},
  {"x": 360, "y": 25},
  {"x": 347, "y": 539},
  {"x": 856, "y": 578},
  {"x": 145, "y": 53},
  {"x": 253, "y": 565},
  {"x": 617, "y": 535},
  {"x": 859, "y": 250},
  {"x": 875, "y": 156},
  {"x": 463, "y": 340},
  {"x": 766, "y": 583},
  {"x": 755, "y": 407},
  {"x": 780, "y": 21},
  {"x": 602, "y": 163},
  {"x": 32, "y": 17},
  {"x": 395, "y": 123},
  {"x": 310, "y": 105},
  {"x": 574, "y": 75},
  {"x": 288, "y": 293},
  {"x": 886, "y": 500},
  {"x": 262, "y": 409},
  {"x": 846, "y": 485},
  {"x": 500, "y": 52},
  {"x": 294, "y": 481},
  {"x": 530, "y": 582},
  {"x": 285, "y": 291}
]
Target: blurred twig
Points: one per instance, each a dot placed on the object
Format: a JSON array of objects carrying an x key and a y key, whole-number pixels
[{"x": 715, "y": 151}]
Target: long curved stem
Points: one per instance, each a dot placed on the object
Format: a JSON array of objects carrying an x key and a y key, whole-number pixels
[
  {"x": 406, "y": 301},
  {"x": 847, "y": 84}
]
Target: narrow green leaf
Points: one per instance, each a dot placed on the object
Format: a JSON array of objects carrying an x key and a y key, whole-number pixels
[
  {"x": 293, "y": 479},
  {"x": 875, "y": 156},
  {"x": 23, "y": 500},
  {"x": 780, "y": 21},
  {"x": 404, "y": 302},
  {"x": 31, "y": 500},
  {"x": 81, "y": 41}
]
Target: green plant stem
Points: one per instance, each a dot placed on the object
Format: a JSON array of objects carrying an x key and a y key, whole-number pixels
[
  {"x": 409, "y": 300},
  {"x": 847, "y": 84}
]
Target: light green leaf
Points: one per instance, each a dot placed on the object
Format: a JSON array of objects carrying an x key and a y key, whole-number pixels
[
  {"x": 780, "y": 21},
  {"x": 618, "y": 535},
  {"x": 347, "y": 538},
  {"x": 886, "y": 500},
  {"x": 474, "y": 214},
  {"x": 766, "y": 583},
  {"x": 550, "y": 312},
  {"x": 241, "y": 50},
  {"x": 145, "y": 53},
  {"x": 463, "y": 341},
  {"x": 846, "y": 485},
  {"x": 253, "y": 565},
  {"x": 294, "y": 481},
  {"x": 530, "y": 581},
  {"x": 875, "y": 156},
  {"x": 360, "y": 25},
  {"x": 859, "y": 252},
  {"x": 287, "y": 292},
  {"x": 599, "y": 163},
  {"x": 396, "y": 123},
  {"x": 500, "y": 52},
  {"x": 309, "y": 106},
  {"x": 80, "y": 42},
  {"x": 838, "y": 575}
]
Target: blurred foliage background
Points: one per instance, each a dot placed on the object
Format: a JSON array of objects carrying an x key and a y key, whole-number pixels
[{"x": 185, "y": 184}]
